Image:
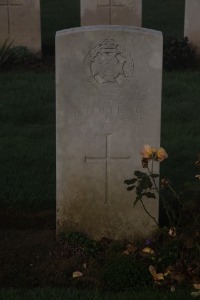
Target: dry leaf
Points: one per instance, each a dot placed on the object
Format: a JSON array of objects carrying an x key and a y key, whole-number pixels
[
  {"x": 156, "y": 276},
  {"x": 130, "y": 249},
  {"x": 195, "y": 294},
  {"x": 148, "y": 250},
  {"x": 77, "y": 274},
  {"x": 172, "y": 288},
  {"x": 168, "y": 270},
  {"x": 196, "y": 286}
]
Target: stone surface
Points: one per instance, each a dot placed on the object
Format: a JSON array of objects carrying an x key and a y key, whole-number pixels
[
  {"x": 192, "y": 23},
  {"x": 20, "y": 22},
  {"x": 111, "y": 12},
  {"x": 108, "y": 105}
]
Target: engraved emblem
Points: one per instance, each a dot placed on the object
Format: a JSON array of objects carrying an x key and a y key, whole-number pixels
[{"x": 109, "y": 65}]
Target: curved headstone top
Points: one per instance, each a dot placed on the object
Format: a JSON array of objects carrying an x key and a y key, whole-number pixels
[
  {"x": 108, "y": 105},
  {"x": 140, "y": 30}
]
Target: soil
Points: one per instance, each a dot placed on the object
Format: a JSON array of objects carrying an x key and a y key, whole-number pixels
[
  {"x": 26, "y": 242},
  {"x": 30, "y": 255}
]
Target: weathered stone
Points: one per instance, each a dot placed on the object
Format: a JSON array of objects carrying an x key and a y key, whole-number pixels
[
  {"x": 108, "y": 81},
  {"x": 192, "y": 23},
  {"x": 20, "y": 23},
  {"x": 111, "y": 12}
]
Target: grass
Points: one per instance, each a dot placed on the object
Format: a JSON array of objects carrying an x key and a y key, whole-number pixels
[
  {"x": 166, "y": 16},
  {"x": 55, "y": 16},
  {"x": 63, "y": 294},
  {"x": 27, "y": 148},
  {"x": 180, "y": 125}
]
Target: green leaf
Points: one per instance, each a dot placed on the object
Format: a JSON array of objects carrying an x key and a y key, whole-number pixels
[
  {"x": 130, "y": 181},
  {"x": 140, "y": 174},
  {"x": 138, "y": 190},
  {"x": 154, "y": 175},
  {"x": 130, "y": 188},
  {"x": 146, "y": 183},
  {"x": 150, "y": 195}
]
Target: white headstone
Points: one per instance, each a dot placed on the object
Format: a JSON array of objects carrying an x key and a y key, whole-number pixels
[
  {"x": 192, "y": 23},
  {"x": 20, "y": 22},
  {"x": 108, "y": 81},
  {"x": 111, "y": 12}
]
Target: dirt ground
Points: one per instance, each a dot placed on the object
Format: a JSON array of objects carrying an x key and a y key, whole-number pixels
[
  {"x": 25, "y": 250},
  {"x": 31, "y": 257}
]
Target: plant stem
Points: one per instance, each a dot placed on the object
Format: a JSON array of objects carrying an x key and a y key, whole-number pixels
[{"x": 149, "y": 214}]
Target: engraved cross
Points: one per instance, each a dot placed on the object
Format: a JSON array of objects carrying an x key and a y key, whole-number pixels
[
  {"x": 8, "y": 4},
  {"x": 107, "y": 160},
  {"x": 110, "y": 5}
]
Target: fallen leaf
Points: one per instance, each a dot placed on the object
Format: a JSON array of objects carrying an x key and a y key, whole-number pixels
[
  {"x": 156, "y": 276},
  {"x": 195, "y": 294},
  {"x": 196, "y": 286},
  {"x": 148, "y": 250},
  {"x": 130, "y": 249},
  {"x": 172, "y": 288},
  {"x": 168, "y": 270},
  {"x": 77, "y": 274}
]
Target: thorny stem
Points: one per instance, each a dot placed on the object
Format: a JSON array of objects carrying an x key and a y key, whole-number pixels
[
  {"x": 149, "y": 214},
  {"x": 154, "y": 182}
]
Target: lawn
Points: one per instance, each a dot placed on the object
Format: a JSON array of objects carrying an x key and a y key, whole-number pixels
[
  {"x": 63, "y": 294},
  {"x": 27, "y": 150}
]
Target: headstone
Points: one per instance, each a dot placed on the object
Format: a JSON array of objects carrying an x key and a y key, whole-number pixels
[
  {"x": 108, "y": 82},
  {"x": 111, "y": 12},
  {"x": 20, "y": 22},
  {"x": 192, "y": 23}
]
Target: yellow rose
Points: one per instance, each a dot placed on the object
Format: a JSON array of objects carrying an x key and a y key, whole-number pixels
[
  {"x": 161, "y": 154},
  {"x": 148, "y": 152}
]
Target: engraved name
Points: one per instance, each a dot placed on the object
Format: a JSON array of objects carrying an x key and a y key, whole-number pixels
[{"x": 117, "y": 113}]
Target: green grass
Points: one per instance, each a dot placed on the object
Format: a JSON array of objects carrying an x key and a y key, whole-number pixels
[
  {"x": 27, "y": 141},
  {"x": 64, "y": 294},
  {"x": 55, "y": 16},
  {"x": 180, "y": 125},
  {"x": 166, "y": 16}
]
